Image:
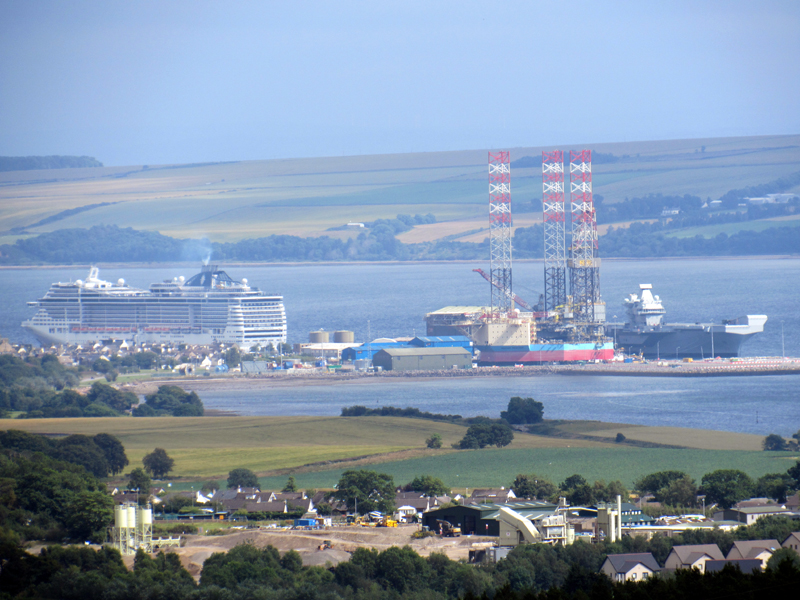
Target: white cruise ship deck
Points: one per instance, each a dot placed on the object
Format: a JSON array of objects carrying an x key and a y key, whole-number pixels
[{"x": 208, "y": 308}]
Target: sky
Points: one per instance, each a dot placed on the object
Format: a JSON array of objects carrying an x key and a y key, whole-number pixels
[{"x": 163, "y": 82}]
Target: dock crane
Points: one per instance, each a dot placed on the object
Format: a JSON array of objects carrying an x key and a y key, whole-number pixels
[{"x": 514, "y": 297}]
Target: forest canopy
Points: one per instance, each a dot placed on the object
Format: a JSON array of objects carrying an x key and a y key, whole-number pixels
[{"x": 28, "y": 163}]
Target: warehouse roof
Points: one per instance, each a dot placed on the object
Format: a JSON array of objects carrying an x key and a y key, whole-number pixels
[
  {"x": 426, "y": 351},
  {"x": 530, "y": 509},
  {"x": 458, "y": 310},
  {"x": 441, "y": 338}
]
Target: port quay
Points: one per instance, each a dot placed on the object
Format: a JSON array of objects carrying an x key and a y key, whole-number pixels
[{"x": 666, "y": 368}]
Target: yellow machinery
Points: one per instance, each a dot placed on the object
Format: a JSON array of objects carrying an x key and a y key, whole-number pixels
[{"x": 447, "y": 529}]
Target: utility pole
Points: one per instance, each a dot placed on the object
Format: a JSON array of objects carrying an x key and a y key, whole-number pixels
[
  {"x": 369, "y": 348},
  {"x": 713, "y": 355},
  {"x": 615, "y": 333},
  {"x": 783, "y": 346}
]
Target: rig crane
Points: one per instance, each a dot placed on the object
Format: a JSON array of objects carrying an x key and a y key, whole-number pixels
[{"x": 514, "y": 297}]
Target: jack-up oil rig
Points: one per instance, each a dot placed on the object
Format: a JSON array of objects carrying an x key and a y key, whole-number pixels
[{"x": 566, "y": 325}]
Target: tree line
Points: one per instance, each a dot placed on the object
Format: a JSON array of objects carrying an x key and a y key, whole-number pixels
[
  {"x": 27, "y": 163},
  {"x": 675, "y": 490},
  {"x": 531, "y": 571},
  {"x": 68, "y": 246},
  {"x": 42, "y": 388},
  {"x": 120, "y": 245}
]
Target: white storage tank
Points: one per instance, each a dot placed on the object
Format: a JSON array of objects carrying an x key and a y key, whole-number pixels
[
  {"x": 343, "y": 337},
  {"x": 146, "y": 516},
  {"x": 121, "y": 516},
  {"x": 132, "y": 516}
]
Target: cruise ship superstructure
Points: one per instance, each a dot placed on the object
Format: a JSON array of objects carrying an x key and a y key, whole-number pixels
[{"x": 206, "y": 309}]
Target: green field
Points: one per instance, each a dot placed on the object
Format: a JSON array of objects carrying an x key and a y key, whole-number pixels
[
  {"x": 209, "y": 447},
  {"x": 212, "y": 446},
  {"x": 237, "y": 200},
  {"x": 499, "y": 467}
]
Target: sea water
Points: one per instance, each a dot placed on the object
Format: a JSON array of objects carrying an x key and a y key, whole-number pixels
[{"x": 379, "y": 300}]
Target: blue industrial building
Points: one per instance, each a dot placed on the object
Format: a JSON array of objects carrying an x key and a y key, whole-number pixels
[
  {"x": 368, "y": 351},
  {"x": 442, "y": 341}
]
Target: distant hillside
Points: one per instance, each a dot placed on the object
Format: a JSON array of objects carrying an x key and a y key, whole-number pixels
[
  {"x": 317, "y": 197},
  {"x": 110, "y": 244},
  {"x": 29, "y": 163}
]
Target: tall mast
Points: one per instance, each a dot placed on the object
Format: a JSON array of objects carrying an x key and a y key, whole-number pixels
[
  {"x": 555, "y": 249},
  {"x": 500, "y": 232}
]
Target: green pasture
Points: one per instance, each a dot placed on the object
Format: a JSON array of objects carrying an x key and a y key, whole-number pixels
[
  {"x": 499, "y": 467},
  {"x": 206, "y": 447},
  {"x": 209, "y": 447},
  {"x": 237, "y": 200}
]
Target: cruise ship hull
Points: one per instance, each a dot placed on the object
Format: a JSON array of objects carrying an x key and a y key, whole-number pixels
[
  {"x": 207, "y": 309},
  {"x": 545, "y": 353},
  {"x": 88, "y": 335},
  {"x": 680, "y": 340}
]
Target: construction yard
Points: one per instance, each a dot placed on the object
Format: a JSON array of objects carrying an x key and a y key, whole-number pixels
[{"x": 343, "y": 540}]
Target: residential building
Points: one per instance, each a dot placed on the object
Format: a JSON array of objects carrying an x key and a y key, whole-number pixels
[
  {"x": 630, "y": 567},
  {"x": 746, "y": 565},
  {"x": 754, "y": 549},
  {"x": 692, "y": 556},
  {"x": 792, "y": 541},
  {"x": 496, "y": 495}
]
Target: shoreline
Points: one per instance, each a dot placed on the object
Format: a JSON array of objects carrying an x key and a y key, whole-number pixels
[
  {"x": 238, "y": 264},
  {"x": 298, "y": 378}
]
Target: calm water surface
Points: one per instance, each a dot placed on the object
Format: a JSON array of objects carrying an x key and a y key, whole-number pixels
[
  {"x": 755, "y": 404},
  {"x": 391, "y": 301}
]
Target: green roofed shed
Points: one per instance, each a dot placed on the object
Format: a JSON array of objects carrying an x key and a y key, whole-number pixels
[{"x": 422, "y": 359}]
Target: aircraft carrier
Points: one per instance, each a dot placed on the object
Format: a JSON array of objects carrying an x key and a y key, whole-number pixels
[{"x": 646, "y": 335}]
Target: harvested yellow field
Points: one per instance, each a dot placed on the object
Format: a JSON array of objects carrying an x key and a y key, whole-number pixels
[
  {"x": 700, "y": 439},
  {"x": 473, "y": 229},
  {"x": 436, "y": 231},
  {"x": 235, "y": 200}
]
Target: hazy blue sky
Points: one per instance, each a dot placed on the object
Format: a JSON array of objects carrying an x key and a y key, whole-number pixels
[{"x": 188, "y": 81}]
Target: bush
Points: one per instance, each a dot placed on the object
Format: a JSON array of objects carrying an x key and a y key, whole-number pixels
[
  {"x": 481, "y": 435},
  {"x": 774, "y": 442},
  {"x": 523, "y": 411},
  {"x": 242, "y": 478},
  {"x": 435, "y": 441},
  {"x": 170, "y": 400}
]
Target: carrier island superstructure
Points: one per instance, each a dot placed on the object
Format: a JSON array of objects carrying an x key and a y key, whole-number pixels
[
  {"x": 564, "y": 327},
  {"x": 208, "y": 308}
]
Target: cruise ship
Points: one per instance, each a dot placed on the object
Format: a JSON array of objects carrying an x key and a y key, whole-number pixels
[{"x": 208, "y": 308}]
